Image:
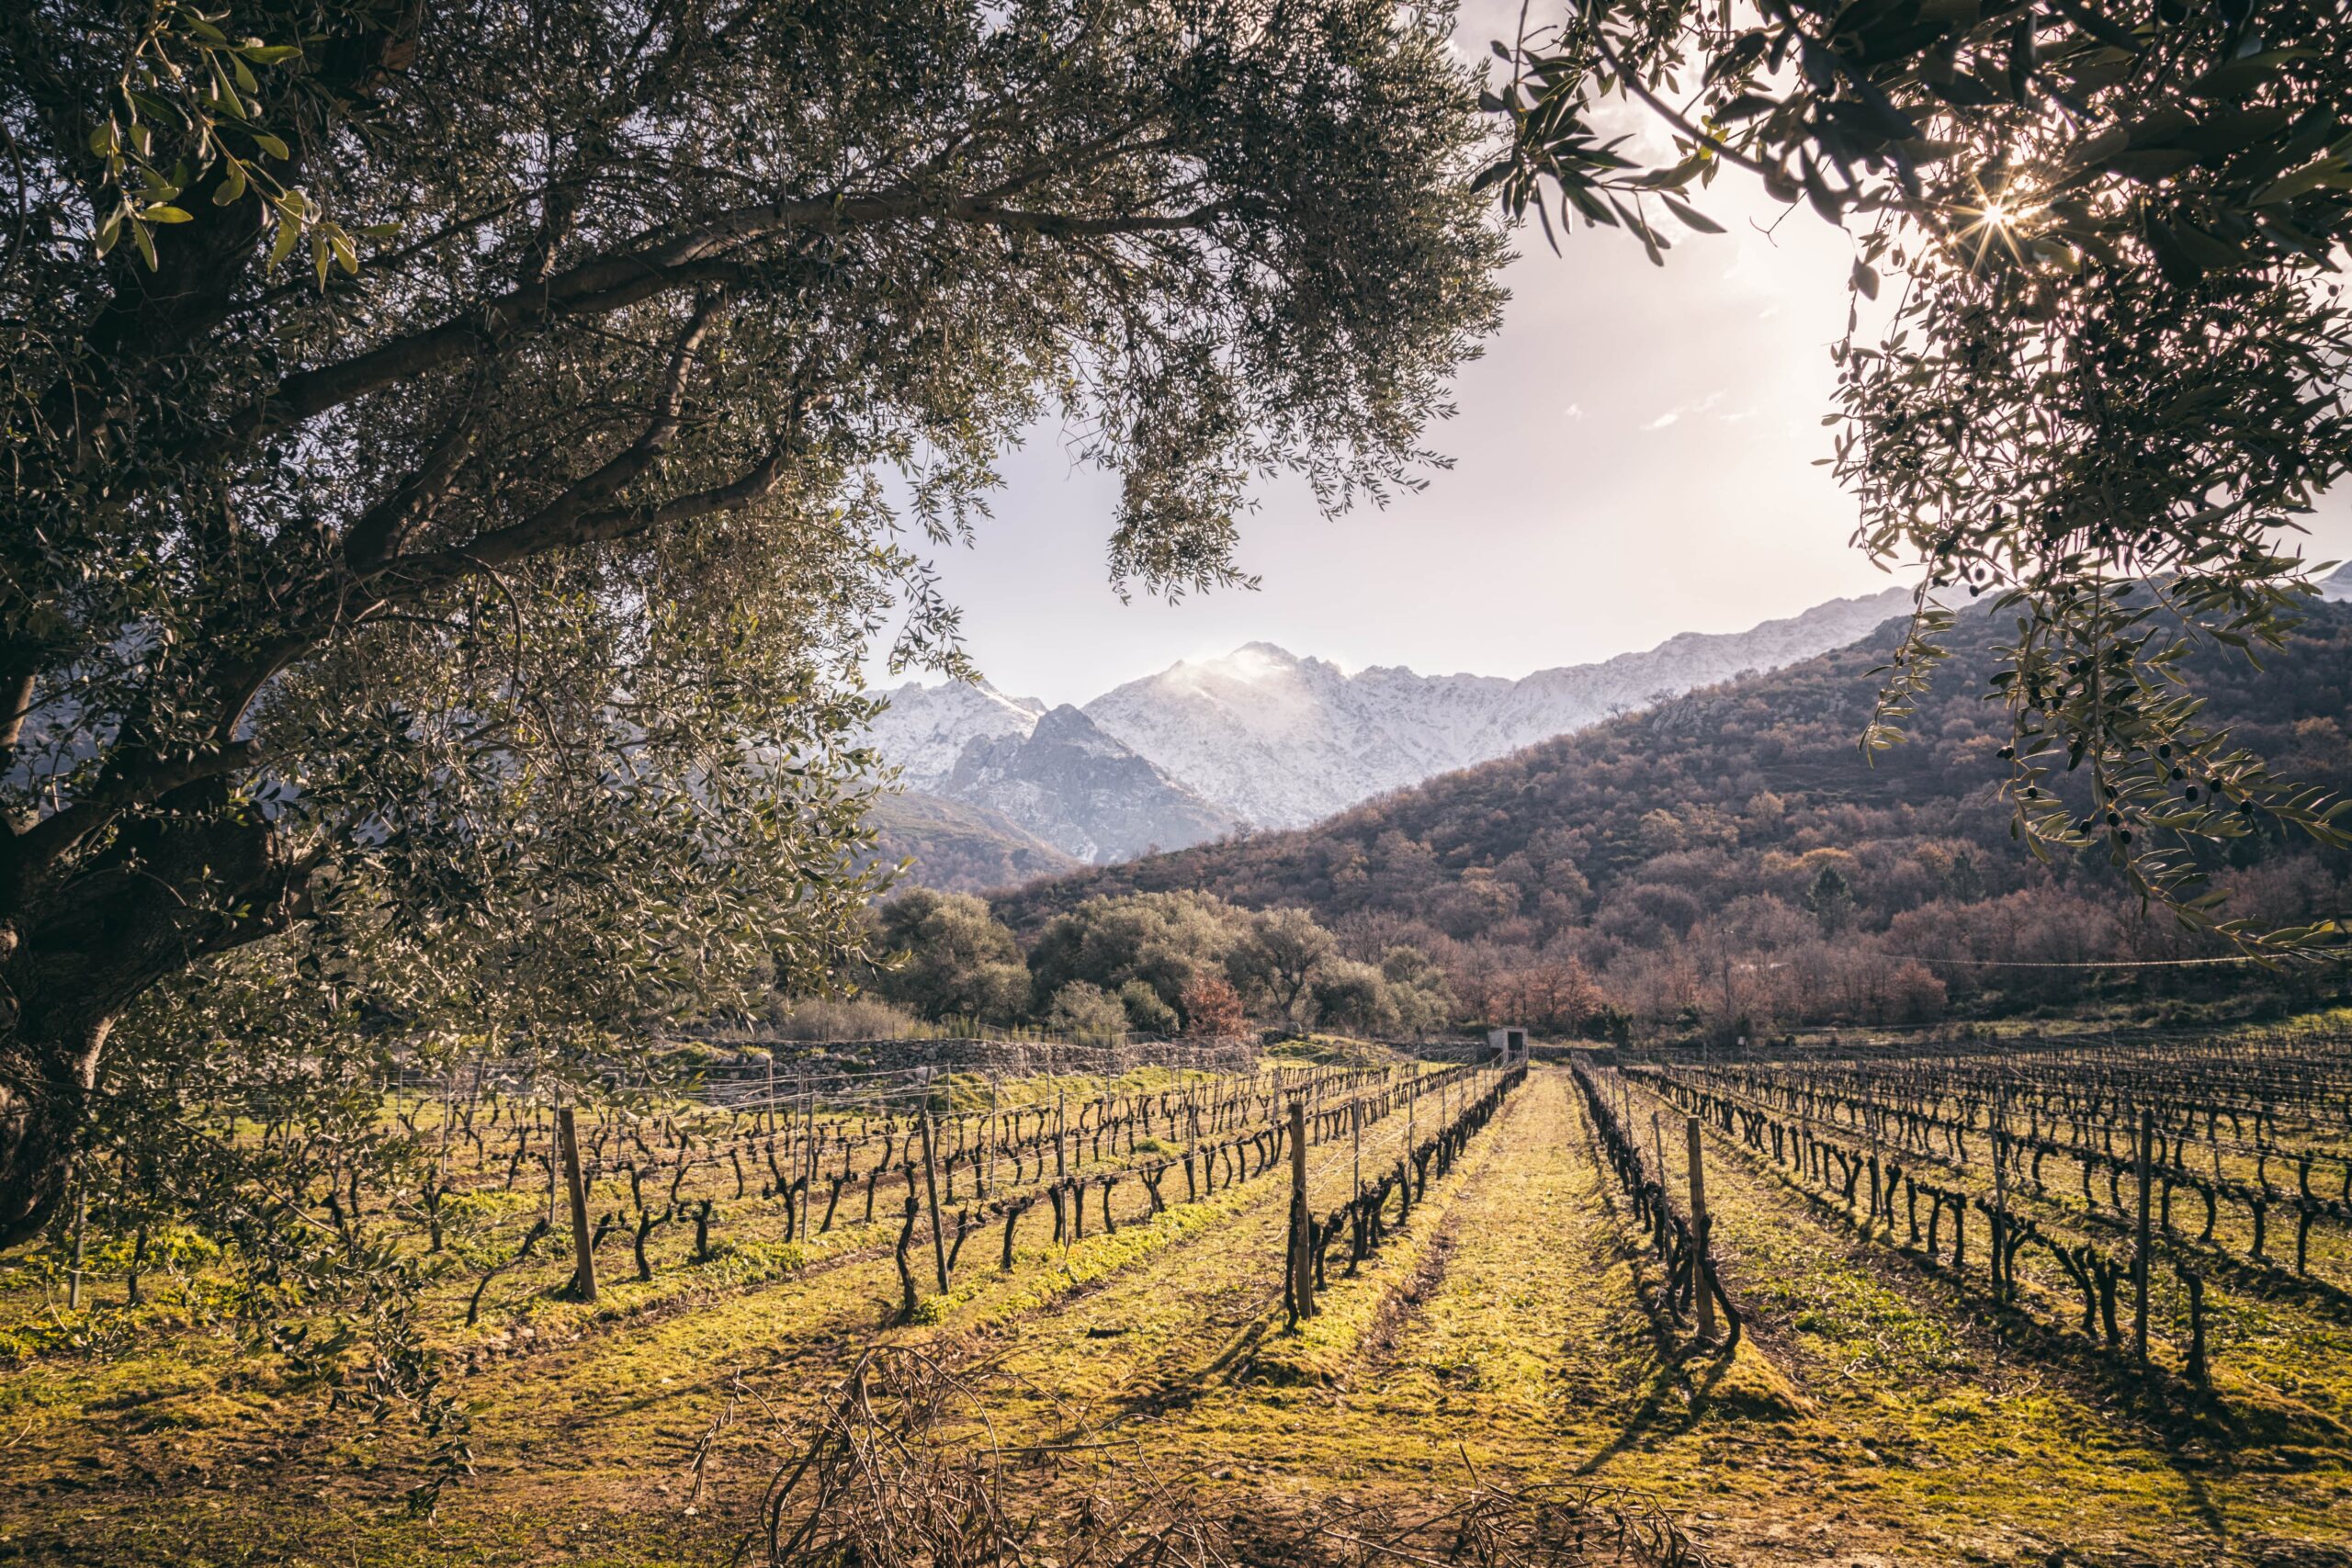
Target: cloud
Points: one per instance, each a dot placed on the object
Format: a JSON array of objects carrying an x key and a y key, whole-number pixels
[
  {"x": 1574, "y": 410},
  {"x": 1674, "y": 416}
]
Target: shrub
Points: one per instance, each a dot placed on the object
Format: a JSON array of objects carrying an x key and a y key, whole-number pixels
[
  {"x": 1213, "y": 1009},
  {"x": 1087, "y": 1012},
  {"x": 1147, "y": 1014},
  {"x": 857, "y": 1017}
]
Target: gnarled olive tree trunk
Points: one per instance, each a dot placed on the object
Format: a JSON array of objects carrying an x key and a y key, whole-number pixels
[{"x": 78, "y": 946}]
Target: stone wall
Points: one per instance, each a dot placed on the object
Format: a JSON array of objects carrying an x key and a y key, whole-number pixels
[{"x": 738, "y": 1072}]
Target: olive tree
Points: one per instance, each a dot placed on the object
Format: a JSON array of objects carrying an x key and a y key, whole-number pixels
[
  {"x": 1166, "y": 940},
  {"x": 455, "y": 452},
  {"x": 2097, "y": 364},
  {"x": 947, "y": 956},
  {"x": 1083, "y": 1012},
  {"x": 1276, "y": 960}
]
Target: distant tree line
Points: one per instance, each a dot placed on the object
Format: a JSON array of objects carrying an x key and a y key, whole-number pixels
[{"x": 1173, "y": 964}]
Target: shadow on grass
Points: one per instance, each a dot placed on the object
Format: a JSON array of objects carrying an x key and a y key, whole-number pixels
[
  {"x": 2254, "y": 1276},
  {"x": 2199, "y": 1428},
  {"x": 1652, "y": 1416}
]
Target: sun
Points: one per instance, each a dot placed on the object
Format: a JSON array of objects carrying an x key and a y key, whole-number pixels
[{"x": 1992, "y": 218}]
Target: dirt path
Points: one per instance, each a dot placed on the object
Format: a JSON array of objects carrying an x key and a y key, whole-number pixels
[
  {"x": 1522, "y": 1346},
  {"x": 1463, "y": 1332}
]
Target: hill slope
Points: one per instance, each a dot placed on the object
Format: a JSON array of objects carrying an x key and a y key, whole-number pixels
[
  {"x": 1719, "y": 810},
  {"x": 960, "y": 847}
]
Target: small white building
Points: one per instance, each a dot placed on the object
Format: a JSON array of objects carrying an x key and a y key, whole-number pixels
[{"x": 1507, "y": 1042}]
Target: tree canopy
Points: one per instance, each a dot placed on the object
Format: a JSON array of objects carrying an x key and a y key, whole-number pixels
[
  {"x": 1170, "y": 956},
  {"x": 2097, "y": 364},
  {"x": 959, "y": 960},
  {"x": 455, "y": 455}
]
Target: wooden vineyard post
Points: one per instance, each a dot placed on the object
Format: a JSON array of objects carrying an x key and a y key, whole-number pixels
[
  {"x": 991, "y": 1177},
  {"x": 1355, "y": 1140},
  {"x": 930, "y": 1191},
  {"x": 2001, "y": 1191},
  {"x": 2140, "y": 1241},
  {"x": 1191, "y": 1134},
  {"x": 81, "y": 1219},
  {"x": 1657, "y": 1147},
  {"x": 2199, "y": 1372},
  {"x": 1702, "y": 1266},
  {"x": 1300, "y": 1266},
  {"x": 584, "y": 1270},
  {"x": 806, "y": 1163},
  {"x": 1058, "y": 1132}
]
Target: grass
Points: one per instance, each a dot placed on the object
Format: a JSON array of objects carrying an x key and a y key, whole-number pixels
[
  {"x": 1874, "y": 1414},
  {"x": 2008, "y": 1436},
  {"x": 1325, "y": 1346}
]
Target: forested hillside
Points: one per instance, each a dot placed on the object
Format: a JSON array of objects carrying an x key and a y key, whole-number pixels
[
  {"x": 1731, "y": 854},
  {"x": 960, "y": 845}
]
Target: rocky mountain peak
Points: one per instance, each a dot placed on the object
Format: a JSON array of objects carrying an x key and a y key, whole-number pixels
[
  {"x": 925, "y": 728},
  {"x": 1081, "y": 791},
  {"x": 1263, "y": 737}
]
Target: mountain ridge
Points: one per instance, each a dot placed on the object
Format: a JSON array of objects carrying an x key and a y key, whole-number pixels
[
  {"x": 1263, "y": 738},
  {"x": 1253, "y": 724},
  {"x": 1082, "y": 790},
  {"x": 1282, "y": 741}
]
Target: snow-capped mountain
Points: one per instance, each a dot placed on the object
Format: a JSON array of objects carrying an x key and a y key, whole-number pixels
[
  {"x": 1263, "y": 738},
  {"x": 2338, "y": 584},
  {"x": 1280, "y": 741},
  {"x": 1081, "y": 791},
  {"x": 925, "y": 728}
]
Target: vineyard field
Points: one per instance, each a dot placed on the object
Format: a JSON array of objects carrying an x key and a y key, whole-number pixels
[{"x": 1511, "y": 1314}]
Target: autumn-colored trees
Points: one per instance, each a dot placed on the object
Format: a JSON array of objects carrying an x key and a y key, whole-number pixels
[{"x": 1213, "y": 1009}]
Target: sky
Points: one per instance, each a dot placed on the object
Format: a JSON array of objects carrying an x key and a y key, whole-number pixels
[{"x": 1635, "y": 456}]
